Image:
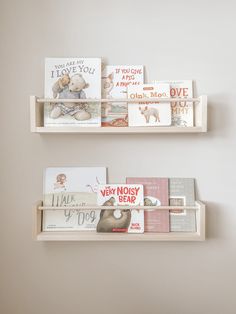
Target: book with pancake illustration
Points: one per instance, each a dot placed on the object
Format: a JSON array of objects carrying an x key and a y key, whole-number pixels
[
  {"x": 72, "y": 78},
  {"x": 121, "y": 219},
  {"x": 156, "y": 193},
  {"x": 70, "y": 187},
  {"x": 115, "y": 81}
]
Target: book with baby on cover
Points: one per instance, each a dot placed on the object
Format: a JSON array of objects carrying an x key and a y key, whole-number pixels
[
  {"x": 72, "y": 78},
  {"x": 120, "y": 219}
]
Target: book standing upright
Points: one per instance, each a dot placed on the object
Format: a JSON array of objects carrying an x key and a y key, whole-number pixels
[
  {"x": 182, "y": 111},
  {"x": 115, "y": 81},
  {"x": 121, "y": 219},
  {"x": 155, "y": 194},
  {"x": 72, "y": 78},
  {"x": 182, "y": 193},
  {"x": 71, "y": 187}
]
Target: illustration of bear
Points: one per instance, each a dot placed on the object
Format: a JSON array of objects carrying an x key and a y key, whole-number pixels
[
  {"x": 73, "y": 90},
  {"x": 108, "y": 222}
]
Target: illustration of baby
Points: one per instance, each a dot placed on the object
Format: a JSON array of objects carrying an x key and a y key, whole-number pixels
[{"x": 60, "y": 182}]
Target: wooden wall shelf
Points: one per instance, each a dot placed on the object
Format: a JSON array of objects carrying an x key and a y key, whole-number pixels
[
  {"x": 37, "y": 124},
  {"x": 40, "y": 235}
]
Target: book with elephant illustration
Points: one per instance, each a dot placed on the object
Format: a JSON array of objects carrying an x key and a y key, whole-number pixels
[
  {"x": 71, "y": 186},
  {"x": 120, "y": 220},
  {"x": 156, "y": 193},
  {"x": 149, "y": 113},
  {"x": 115, "y": 80},
  {"x": 182, "y": 193},
  {"x": 181, "y": 111},
  {"x": 72, "y": 78}
]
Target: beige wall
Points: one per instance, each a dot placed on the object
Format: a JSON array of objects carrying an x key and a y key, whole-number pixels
[{"x": 174, "y": 40}]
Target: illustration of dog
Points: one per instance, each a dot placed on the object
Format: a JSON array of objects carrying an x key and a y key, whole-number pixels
[{"x": 148, "y": 112}]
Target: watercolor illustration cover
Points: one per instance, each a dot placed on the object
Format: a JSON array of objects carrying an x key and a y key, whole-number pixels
[
  {"x": 71, "y": 186},
  {"x": 115, "y": 81},
  {"x": 72, "y": 78}
]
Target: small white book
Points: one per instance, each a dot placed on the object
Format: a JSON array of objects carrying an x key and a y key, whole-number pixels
[
  {"x": 70, "y": 187},
  {"x": 149, "y": 113},
  {"x": 182, "y": 111},
  {"x": 125, "y": 219},
  {"x": 72, "y": 78}
]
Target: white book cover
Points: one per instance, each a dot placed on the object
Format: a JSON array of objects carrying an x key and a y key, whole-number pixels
[
  {"x": 72, "y": 78},
  {"x": 121, "y": 220},
  {"x": 71, "y": 186},
  {"x": 148, "y": 113},
  {"x": 182, "y": 112},
  {"x": 115, "y": 81}
]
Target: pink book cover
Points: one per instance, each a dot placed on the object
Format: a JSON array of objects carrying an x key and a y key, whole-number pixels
[{"x": 156, "y": 193}]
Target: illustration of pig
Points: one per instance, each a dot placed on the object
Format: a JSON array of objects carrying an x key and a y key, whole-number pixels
[{"x": 148, "y": 112}]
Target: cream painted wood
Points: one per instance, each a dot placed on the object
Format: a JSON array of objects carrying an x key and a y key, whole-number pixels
[
  {"x": 36, "y": 114},
  {"x": 40, "y": 235}
]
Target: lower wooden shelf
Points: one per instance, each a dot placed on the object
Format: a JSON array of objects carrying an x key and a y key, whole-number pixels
[{"x": 40, "y": 235}]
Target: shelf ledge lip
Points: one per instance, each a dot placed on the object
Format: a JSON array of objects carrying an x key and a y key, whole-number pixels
[
  {"x": 118, "y": 130},
  {"x": 94, "y": 236}
]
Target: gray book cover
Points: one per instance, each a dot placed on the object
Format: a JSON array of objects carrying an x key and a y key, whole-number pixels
[{"x": 182, "y": 193}]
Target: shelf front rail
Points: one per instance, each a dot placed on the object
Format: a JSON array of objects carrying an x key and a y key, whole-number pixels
[
  {"x": 199, "y": 235},
  {"x": 37, "y": 116}
]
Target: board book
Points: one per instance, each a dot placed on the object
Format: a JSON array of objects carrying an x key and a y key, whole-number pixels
[
  {"x": 147, "y": 113},
  {"x": 121, "y": 219}
]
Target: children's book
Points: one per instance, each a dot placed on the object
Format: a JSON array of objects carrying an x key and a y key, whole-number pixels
[
  {"x": 117, "y": 219},
  {"x": 182, "y": 193},
  {"x": 72, "y": 78},
  {"x": 115, "y": 80},
  {"x": 147, "y": 113},
  {"x": 155, "y": 194},
  {"x": 182, "y": 111},
  {"x": 71, "y": 186}
]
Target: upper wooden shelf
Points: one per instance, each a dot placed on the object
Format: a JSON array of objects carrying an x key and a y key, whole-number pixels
[{"x": 37, "y": 124}]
